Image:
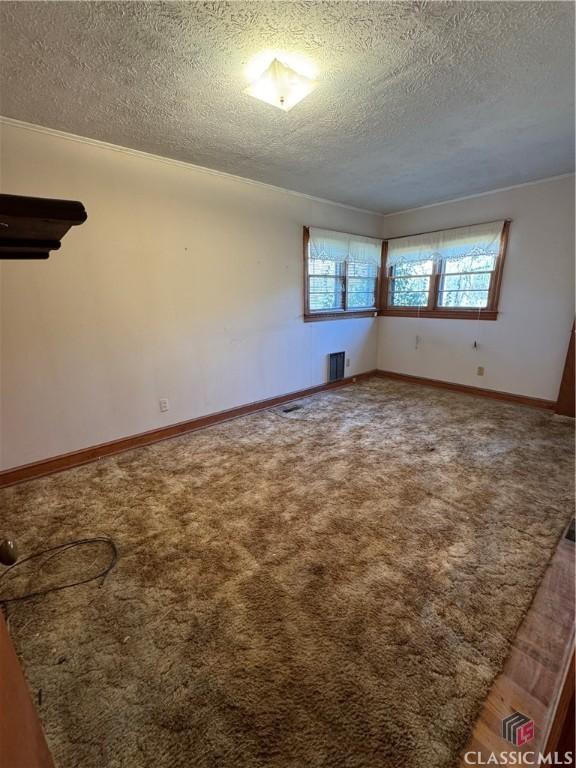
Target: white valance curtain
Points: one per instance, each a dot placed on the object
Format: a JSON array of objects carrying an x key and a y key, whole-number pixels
[
  {"x": 477, "y": 240},
  {"x": 339, "y": 247}
]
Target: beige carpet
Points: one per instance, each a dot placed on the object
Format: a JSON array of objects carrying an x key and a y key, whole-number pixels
[{"x": 337, "y": 586}]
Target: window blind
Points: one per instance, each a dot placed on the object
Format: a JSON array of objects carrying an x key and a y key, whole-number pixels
[
  {"x": 339, "y": 247},
  {"x": 449, "y": 244}
]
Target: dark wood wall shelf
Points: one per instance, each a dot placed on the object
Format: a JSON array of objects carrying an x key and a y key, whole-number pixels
[{"x": 31, "y": 227}]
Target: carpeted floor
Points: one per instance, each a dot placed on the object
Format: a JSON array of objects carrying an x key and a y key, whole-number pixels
[{"x": 337, "y": 586}]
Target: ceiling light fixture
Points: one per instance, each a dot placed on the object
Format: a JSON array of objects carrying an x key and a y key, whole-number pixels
[{"x": 281, "y": 85}]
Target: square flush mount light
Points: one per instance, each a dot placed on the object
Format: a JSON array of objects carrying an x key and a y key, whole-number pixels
[{"x": 281, "y": 86}]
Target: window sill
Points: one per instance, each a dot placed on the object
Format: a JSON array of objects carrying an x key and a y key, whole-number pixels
[
  {"x": 443, "y": 314},
  {"x": 314, "y": 317}
]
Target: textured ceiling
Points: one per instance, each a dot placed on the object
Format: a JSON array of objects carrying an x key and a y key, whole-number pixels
[{"x": 418, "y": 102}]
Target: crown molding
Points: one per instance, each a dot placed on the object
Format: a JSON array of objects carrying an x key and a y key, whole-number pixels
[
  {"x": 478, "y": 194},
  {"x": 10, "y": 121}
]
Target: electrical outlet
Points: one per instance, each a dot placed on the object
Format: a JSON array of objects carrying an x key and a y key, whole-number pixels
[
  {"x": 480, "y": 370},
  {"x": 164, "y": 405},
  {"x": 347, "y": 362}
]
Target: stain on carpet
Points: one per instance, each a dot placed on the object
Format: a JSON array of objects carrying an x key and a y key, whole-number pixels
[{"x": 333, "y": 586}]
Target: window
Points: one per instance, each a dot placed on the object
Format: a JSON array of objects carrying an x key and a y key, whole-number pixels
[
  {"x": 450, "y": 273},
  {"x": 341, "y": 274}
]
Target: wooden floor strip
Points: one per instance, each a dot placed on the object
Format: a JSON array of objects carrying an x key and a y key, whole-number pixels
[{"x": 535, "y": 669}]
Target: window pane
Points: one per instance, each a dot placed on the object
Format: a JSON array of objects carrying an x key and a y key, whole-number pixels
[
  {"x": 463, "y": 299},
  {"x": 411, "y": 299},
  {"x": 409, "y": 291},
  {"x": 361, "y": 285},
  {"x": 320, "y": 301},
  {"x": 466, "y": 282},
  {"x": 356, "y": 300},
  {"x": 471, "y": 263},
  {"x": 358, "y": 269},
  {"x": 324, "y": 267},
  {"x": 324, "y": 284},
  {"x": 325, "y": 293},
  {"x": 410, "y": 284},
  {"x": 413, "y": 268}
]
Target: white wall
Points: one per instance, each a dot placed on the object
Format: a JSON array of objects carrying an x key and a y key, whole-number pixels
[
  {"x": 182, "y": 284},
  {"x": 523, "y": 352}
]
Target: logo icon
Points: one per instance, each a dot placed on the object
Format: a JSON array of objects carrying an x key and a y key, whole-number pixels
[{"x": 517, "y": 729}]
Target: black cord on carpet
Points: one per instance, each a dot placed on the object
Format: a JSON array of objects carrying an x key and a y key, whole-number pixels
[{"x": 54, "y": 551}]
